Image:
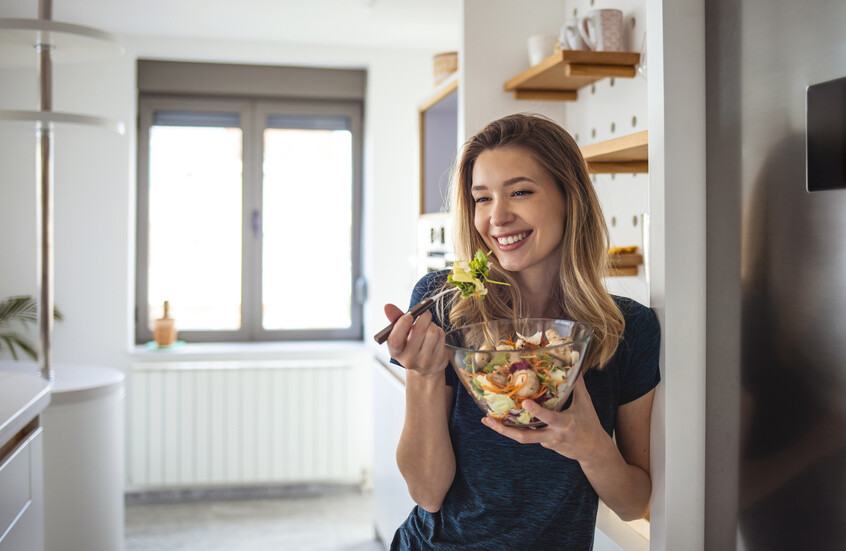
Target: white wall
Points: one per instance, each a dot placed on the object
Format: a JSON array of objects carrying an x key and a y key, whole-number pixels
[
  {"x": 95, "y": 185},
  {"x": 609, "y": 109},
  {"x": 676, "y": 47},
  {"x": 494, "y": 49}
]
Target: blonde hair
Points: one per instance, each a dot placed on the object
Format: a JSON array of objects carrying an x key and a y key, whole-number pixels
[{"x": 579, "y": 294}]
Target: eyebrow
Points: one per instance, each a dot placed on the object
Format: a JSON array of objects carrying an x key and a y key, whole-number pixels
[{"x": 509, "y": 182}]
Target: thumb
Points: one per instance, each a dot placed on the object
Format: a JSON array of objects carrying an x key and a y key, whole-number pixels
[{"x": 393, "y": 312}]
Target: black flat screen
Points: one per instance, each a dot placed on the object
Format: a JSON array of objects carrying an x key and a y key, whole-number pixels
[{"x": 826, "y": 135}]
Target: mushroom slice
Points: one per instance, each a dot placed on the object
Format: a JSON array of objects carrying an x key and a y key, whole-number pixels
[
  {"x": 534, "y": 339},
  {"x": 483, "y": 358},
  {"x": 529, "y": 380}
]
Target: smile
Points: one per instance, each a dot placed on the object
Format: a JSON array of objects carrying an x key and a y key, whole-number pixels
[{"x": 511, "y": 239}]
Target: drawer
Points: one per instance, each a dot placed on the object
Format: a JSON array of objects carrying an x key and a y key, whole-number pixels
[{"x": 16, "y": 480}]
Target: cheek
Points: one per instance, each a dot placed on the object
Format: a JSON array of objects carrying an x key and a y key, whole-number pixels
[{"x": 480, "y": 224}]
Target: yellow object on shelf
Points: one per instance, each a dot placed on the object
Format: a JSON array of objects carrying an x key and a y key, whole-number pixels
[
  {"x": 623, "y": 261},
  {"x": 622, "y": 250}
]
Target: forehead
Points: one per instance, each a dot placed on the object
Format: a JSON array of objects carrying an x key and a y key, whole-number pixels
[{"x": 495, "y": 166}]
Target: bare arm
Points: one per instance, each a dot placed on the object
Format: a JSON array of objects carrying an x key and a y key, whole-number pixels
[
  {"x": 620, "y": 474},
  {"x": 424, "y": 454}
]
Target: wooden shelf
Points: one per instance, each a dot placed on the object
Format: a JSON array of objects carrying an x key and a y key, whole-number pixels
[
  {"x": 626, "y": 154},
  {"x": 559, "y": 76},
  {"x": 622, "y": 265}
]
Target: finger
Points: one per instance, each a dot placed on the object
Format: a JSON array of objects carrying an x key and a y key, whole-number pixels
[
  {"x": 433, "y": 345},
  {"x": 522, "y": 436},
  {"x": 399, "y": 334},
  {"x": 541, "y": 413},
  {"x": 419, "y": 329},
  {"x": 392, "y": 312}
]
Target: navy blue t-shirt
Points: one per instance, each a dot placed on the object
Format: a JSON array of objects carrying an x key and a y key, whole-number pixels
[{"x": 511, "y": 496}]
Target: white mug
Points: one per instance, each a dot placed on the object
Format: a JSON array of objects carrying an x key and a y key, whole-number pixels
[
  {"x": 602, "y": 30},
  {"x": 541, "y": 46},
  {"x": 571, "y": 38}
]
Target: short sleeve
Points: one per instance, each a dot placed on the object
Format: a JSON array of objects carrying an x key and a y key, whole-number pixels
[
  {"x": 429, "y": 285},
  {"x": 642, "y": 343}
]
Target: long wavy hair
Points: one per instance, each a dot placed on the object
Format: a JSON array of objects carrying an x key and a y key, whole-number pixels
[{"x": 579, "y": 294}]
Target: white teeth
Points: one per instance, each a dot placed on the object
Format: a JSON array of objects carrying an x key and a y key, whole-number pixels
[{"x": 511, "y": 239}]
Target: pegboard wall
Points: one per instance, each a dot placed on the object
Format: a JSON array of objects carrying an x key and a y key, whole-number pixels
[
  {"x": 494, "y": 49},
  {"x": 612, "y": 108}
]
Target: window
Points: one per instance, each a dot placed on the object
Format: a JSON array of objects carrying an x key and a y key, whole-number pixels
[{"x": 248, "y": 218}]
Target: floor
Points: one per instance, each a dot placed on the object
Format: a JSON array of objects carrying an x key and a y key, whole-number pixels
[{"x": 337, "y": 522}]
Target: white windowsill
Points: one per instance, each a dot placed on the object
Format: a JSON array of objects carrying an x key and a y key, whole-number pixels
[{"x": 249, "y": 351}]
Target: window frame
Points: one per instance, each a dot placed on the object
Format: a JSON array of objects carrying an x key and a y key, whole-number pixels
[{"x": 253, "y": 113}]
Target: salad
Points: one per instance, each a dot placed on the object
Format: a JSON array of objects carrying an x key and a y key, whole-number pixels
[
  {"x": 503, "y": 375},
  {"x": 470, "y": 277}
]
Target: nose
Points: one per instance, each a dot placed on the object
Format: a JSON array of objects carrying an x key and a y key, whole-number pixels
[{"x": 501, "y": 213}]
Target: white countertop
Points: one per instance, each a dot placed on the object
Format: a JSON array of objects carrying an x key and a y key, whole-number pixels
[
  {"x": 73, "y": 383},
  {"x": 22, "y": 397}
]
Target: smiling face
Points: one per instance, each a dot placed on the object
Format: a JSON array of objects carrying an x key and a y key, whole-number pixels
[{"x": 519, "y": 211}]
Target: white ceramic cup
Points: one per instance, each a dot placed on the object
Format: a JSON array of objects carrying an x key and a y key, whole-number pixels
[
  {"x": 571, "y": 38},
  {"x": 602, "y": 30},
  {"x": 541, "y": 46}
]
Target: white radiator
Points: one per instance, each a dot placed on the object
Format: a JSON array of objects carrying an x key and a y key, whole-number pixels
[{"x": 198, "y": 423}]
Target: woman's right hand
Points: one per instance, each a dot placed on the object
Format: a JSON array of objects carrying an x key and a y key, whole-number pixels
[{"x": 417, "y": 345}]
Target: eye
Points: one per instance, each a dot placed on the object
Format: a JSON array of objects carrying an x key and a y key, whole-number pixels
[
  {"x": 521, "y": 192},
  {"x": 480, "y": 199}
]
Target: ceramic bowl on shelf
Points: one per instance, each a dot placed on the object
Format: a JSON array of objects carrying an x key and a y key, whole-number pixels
[{"x": 503, "y": 362}]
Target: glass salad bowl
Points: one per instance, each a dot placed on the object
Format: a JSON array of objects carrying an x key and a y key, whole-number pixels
[{"x": 503, "y": 362}]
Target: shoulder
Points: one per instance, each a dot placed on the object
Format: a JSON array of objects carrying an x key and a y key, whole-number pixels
[
  {"x": 428, "y": 285},
  {"x": 636, "y": 359},
  {"x": 641, "y": 320}
]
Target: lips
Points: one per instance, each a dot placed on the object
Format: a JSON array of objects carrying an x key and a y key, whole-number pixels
[{"x": 512, "y": 240}]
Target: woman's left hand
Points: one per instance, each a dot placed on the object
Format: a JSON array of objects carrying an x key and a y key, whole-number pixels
[{"x": 575, "y": 433}]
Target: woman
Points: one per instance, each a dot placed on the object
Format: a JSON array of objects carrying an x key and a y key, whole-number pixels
[{"x": 522, "y": 191}]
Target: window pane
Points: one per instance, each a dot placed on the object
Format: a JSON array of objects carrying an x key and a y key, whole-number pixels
[
  {"x": 195, "y": 226},
  {"x": 307, "y": 241}
]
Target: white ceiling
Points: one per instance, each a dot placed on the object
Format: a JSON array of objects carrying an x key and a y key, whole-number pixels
[{"x": 421, "y": 24}]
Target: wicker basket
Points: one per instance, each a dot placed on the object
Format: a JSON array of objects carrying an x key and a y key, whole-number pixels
[{"x": 445, "y": 65}]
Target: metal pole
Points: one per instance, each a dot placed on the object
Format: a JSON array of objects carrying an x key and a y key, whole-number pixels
[{"x": 45, "y": 188}]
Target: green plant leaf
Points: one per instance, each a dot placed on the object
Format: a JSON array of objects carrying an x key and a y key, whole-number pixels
[{"x": 19, "y": 311}]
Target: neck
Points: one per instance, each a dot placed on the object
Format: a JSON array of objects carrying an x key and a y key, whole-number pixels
[
  {"x": 537, "y": 291},
  {"x": 538, "y": 284}
]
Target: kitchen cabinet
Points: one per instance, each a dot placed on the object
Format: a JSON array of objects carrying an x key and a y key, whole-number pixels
[
  {"x": 22, "y": 399},
  {"x": 391, "y": 502},
  {"x": 83, "y": 457}
]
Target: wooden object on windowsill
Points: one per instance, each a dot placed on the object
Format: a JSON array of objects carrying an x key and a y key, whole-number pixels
[
  {"x": 559, "y": 76},
  {"x": 164, "y": 328},
  {"x": 626, "y": 154}
]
